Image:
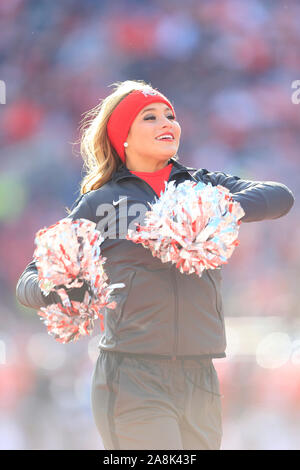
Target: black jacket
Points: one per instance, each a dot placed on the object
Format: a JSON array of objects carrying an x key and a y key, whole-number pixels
[{"x": 160, "y": 311}]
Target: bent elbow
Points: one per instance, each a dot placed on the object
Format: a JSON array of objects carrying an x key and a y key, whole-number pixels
[
  {"x": 289, "y": 200},
  {"x": 28, "y": 293},
  {"x": 19, "y": 292}
]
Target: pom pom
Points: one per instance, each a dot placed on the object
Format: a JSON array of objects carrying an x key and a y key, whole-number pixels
[
  {"x": 71, "y": 320},
  {"x": 193, "y": 225},
  {"x": 68, "y": 252},
  {"x": 68, "y": 256}
]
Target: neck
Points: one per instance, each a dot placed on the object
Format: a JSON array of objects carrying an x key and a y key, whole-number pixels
[{"x": 146, "y": 166}]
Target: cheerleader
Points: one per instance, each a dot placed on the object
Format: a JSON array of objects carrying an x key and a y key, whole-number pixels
[{"x": 154, "y": 384}]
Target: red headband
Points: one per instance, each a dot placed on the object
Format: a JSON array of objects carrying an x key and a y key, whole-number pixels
[{"x": 123, "y": 115}]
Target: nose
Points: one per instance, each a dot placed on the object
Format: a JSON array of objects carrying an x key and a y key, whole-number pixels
[{"x": 166, "y": 121}]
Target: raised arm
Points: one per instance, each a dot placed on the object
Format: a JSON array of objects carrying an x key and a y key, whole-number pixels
[
  {"x": 261, "y": 200},
  {"x": 28, "y": 292}
]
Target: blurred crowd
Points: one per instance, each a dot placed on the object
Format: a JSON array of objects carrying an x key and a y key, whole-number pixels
[{"x": 228, "y": 68}]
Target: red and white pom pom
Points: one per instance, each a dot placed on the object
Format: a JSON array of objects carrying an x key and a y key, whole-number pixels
[
  {"x": 68, "y": 255},
  {"x": 71, "y": 320},
  {"x": 67, "y": 252},
  {"x": 193, "y": 225}
]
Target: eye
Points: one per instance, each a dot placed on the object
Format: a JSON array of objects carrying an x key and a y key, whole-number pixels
[
  {"x": 153, "y": 117},
  {"x": 149, "y": 117}
]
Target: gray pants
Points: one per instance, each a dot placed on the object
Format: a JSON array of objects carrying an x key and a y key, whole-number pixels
[{"x": 145, "y": 403}]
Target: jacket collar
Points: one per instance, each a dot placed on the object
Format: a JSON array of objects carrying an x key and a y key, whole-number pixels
[{"x": 177, "y": 167}]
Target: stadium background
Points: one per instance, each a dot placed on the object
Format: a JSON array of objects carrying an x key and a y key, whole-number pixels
[{"x": 228, "y": 68}]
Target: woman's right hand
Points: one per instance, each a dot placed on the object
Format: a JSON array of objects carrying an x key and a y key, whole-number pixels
[{"x": 74, "y": 293}]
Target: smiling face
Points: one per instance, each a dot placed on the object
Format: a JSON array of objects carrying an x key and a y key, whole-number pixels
[{"x": 145, "y": 151}]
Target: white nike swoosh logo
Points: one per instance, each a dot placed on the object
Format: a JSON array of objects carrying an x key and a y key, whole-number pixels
[{"x": 120, "y": 200}]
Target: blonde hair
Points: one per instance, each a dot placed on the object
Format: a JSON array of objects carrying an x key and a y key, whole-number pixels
[{"x": 100, "y": 158}]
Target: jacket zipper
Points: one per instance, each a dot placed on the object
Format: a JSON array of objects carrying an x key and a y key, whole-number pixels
[
  {"x": 173, "y": 277},
  {"x": 216, "y": 294}
]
